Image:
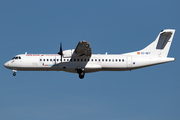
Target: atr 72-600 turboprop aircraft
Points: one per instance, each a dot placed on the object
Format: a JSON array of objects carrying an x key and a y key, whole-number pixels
[{"x": 81, "y": 60}]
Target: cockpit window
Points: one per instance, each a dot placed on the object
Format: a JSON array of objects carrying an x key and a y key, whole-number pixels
[{"x": 16, "y": 57}]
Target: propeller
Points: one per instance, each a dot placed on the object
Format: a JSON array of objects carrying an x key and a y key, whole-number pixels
[{"x": 61, "y": 52}]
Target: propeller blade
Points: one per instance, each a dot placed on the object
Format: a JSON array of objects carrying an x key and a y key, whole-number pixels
[
  {"x": 61, "y": 52},
  {"x": 61, "y": 48}
]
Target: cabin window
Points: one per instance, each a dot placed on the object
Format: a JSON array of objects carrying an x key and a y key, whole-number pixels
[
  {"x": 67, "y": 59},
  {"x": 123, "y": 60},
  {"x": 50, "y": 59},
  {"x": 103, "y": 60},
  {"x": 19, "y": 57},
  {"x": 70, "y": 59},
  {"x": 92, "y": 60},
  {"x": 84, "y": 59},
  {"x": 40, "y": 59},
  {"x": 106, "y": 60},
  {"x": 81, "y": 59},
  {"x": 54, "y": 59},
  {"x": 77, "y": 59},
  {"x": 112, "y": 60},
  {"x": 109, "y": 60},
  {"x": 64, "y": 59},
  {"x": 116, "y": 60},
  {"x": 47, "y": 59},
  {"x": 44, "y": 60},
  {"x": 119, "y": 60},
  {"x": 99, "y": 60},
  {"x": 95, "y": 59},
  {"x": 57, "y": 59},
  {"x": 88, "y": 59},
  {"x": 74, "y": 59}
]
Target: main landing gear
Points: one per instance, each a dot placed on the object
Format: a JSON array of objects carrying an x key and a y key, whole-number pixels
[
  {"x": 14, "y": 72},
  {"x": 81, "y": 73}
]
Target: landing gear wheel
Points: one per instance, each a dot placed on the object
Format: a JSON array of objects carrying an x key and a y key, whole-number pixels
[
  {"x": 81, "y": 73},
  {"x": 14, "y": 74}
]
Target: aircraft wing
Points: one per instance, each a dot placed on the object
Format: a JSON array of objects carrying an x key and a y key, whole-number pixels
[{"x": 83, "y": 49}]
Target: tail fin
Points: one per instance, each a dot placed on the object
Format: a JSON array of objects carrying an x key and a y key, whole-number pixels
[{"x": 160, "y": 47}]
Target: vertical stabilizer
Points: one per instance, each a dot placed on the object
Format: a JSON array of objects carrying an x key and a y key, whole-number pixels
[{"x": 160, "y": 47}]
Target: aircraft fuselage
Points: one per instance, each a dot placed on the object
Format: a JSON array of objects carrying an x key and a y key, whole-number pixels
[
  {"x": 97, "y": 62},
  {"x": 81, "y": 60}
]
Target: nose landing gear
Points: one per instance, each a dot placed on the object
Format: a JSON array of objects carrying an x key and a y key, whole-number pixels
[{"x": 14, "y": 74}]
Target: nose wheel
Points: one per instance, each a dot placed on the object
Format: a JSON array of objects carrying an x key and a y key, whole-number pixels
[{"x": 14, "y": 72}]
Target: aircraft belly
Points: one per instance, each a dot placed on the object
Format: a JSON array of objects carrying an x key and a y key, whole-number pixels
[
  {"x": 139, "y": 62},
  {"x": 92, "y": 68}
]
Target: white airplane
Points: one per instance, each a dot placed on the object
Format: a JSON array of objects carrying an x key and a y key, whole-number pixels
[{"x": 81, "y": 60}]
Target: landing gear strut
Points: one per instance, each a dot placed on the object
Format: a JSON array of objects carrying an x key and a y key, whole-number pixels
[{"x": 81, "y": 73}]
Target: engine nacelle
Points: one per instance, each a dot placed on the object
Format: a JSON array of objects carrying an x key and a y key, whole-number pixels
[{"x": 68, "y": 53}]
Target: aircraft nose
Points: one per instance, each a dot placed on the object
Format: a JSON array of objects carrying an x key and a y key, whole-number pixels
[{"x": 6, "y": 64}]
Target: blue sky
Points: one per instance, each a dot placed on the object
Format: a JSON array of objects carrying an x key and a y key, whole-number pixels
[{"x": 111, "y": 26}]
